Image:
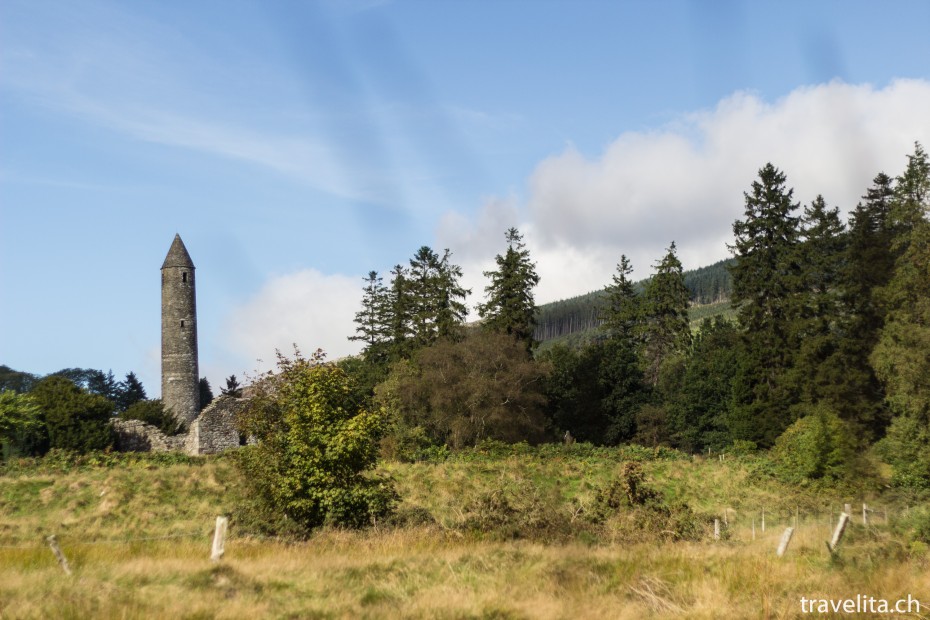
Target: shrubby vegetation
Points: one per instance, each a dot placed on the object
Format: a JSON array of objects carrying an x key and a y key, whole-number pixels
[
  {"x": 71, "y": 409},
  {"x": 315, "y": 448}
]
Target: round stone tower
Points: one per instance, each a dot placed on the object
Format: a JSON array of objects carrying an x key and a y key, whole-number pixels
[{"x": 179, "y": 372}]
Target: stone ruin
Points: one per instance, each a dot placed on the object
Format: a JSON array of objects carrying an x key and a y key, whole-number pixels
[{"x": 211, "y": 432}]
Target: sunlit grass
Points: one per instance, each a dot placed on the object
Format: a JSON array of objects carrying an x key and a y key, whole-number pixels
[{"x": 437, "y": 570}]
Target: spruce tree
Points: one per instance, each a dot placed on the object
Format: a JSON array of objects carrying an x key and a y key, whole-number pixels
[
  {"x": 206, "y": 393},
  {"x": 232, "y": 387},
  {"x": 372, "y": 326},
  {"x": 900, "y": 357},
  {"x": 510, "y": 307},
  {"x": 621, "y": 311},
  {"x": 129, "y": 392},
  {"x": 766, "y": 279},
  {"x": 400, "y": 308},
  {"x": 437, "y": 297},
  {"x": 665, "y": 326}
]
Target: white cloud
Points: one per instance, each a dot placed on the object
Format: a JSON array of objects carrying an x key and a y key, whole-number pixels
[
  {"x": 307, "y": 308},
  {"x": 685, "y": 181}
]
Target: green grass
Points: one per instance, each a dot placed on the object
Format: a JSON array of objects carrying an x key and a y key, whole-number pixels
[{"x": 438, "y": 568}]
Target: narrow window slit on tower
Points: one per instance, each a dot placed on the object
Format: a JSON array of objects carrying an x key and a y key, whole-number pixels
[
  {"x": 183, "y": 276},
  {"x": 182, "y": 322}
]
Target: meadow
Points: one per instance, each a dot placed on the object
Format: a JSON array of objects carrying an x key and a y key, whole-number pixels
[{"x": 491, "y": 532}]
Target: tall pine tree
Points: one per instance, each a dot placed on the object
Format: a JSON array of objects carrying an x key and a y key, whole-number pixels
[
  {"x": 511, "y": 307},
  {"x": 665, "y": 316},
  {"x": 766, "y": 280}
]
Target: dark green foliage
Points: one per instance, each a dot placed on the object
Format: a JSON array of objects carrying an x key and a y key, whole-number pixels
[
  {"x": 129, "y": 392},
  {"x": 75, "y": 420},
  {"x": 103, "y": 384},
  {"x": 484, "y": 386},
  {"x": 373, "y": 320},
  {"x": 206, "y": 393},
  {"x": 697, "y": 413},
  {"x": 767, "y": 278},
  {"x": 437, "y": 298},
  {"x": 573, "y": 393},
  {"x": 900, "y": 358},
  {"x": 315, "y": 448},
  {"x": 622, "y": 312},
  {"x": 16, "y": 380},
  {"x": 664, "y": 309},
  {"x": 153, "y": 412},
  {"x": 232, "y": 387},
  {"x": 510, "y": 307}
]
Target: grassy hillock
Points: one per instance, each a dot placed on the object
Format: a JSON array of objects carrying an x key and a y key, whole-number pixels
[{"x": 493, "y": 532}]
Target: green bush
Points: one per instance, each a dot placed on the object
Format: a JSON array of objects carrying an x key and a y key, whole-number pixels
[
  {"x": 315, "y": 448},
  {"x": 153, "y": 412},
  {"x": 818, "y": 446},
  {"x": 906, "y": 448},
  {"x": 75, "y": 420}
]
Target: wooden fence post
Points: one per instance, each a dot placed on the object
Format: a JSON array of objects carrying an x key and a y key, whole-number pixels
[
  {"x": 753, "y": 528},
  {"x": 62, "y": 560},
  {"x": 838, "y": 532},
  {"x": 763, "y": 520},
  {"x": 219, "y": 539},
  {"x": 716, "y": 529},
  {"x": 865, "y": 514},
  {"x": 847, "y": 508},
  {"x": 785, "y": 539}
]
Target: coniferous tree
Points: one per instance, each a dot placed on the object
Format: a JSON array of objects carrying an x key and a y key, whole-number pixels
[
  {"x": 900, "y": 357},
  {"x": 206, "y": 393},
  {"x": 437, "y": 297},
  {"x": 400, "y": 313},
  {"x": 697, "y": 417},
  {"x": 766, "y": 280},
  {"x": 510, "y": 307},
  {"x": 621, "y": 311},
  {"x": 102, "y": 384},
  {"x": 129, "y": 392},
  {"x": 665, "y": 329},
  {"x": 820, "y": 364},
  {"x": 451, "y": 309},
  {"x": 232, "y": 387},
  {"x": 373, "y": 327}
]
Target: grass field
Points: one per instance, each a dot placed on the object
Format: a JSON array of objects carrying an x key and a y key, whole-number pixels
[{"x": 114, "y": 520}]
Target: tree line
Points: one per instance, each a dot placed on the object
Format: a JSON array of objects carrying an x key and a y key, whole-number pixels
[
  {"x": 71, "y": 409},
  {"x": 829, "y": 347}
]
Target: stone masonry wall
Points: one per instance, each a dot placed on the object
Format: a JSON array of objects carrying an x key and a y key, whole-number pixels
[{"x": 213, "y": 431}]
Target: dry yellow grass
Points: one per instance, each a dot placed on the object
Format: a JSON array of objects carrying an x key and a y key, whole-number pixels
[
  {"x": 433, "y": 571},
  {"x": 425, "y": 573}
]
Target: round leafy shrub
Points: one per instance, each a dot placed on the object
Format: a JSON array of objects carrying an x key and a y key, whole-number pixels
[
  {"x": 818, "y": 446},
  {"x": 315, "y": 447}
]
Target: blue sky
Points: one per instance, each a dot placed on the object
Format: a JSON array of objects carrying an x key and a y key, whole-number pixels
[{"x": 297, "y": 145}]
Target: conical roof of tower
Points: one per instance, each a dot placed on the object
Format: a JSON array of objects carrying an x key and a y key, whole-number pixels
[{"x": 177, "y": 255}]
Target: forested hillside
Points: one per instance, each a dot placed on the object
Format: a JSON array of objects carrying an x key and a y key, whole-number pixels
[{"x": 707, "y": 285}]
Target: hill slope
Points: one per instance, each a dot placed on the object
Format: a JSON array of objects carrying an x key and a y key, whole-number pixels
[{"x": 710, "y": 287}]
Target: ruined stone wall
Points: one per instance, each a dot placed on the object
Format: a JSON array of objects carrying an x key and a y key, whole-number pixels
[
  {"x": 137, "y": 436},
  {"x": 213, "y": 431}
]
